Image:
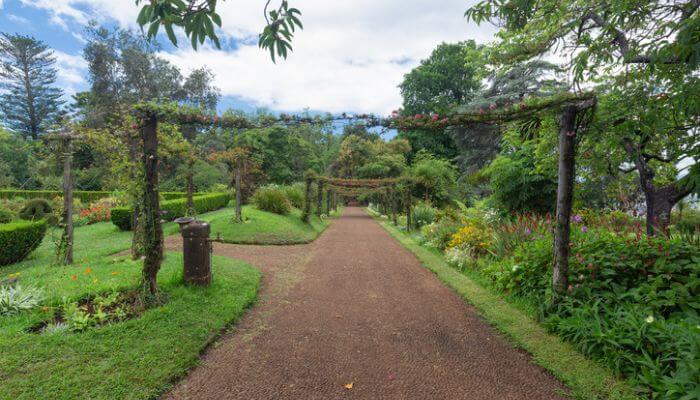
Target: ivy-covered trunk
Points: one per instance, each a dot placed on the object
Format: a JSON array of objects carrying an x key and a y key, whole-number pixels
[
  {"x": 152, "y": 229},
  {"x": 306, "y": 215},
  {"x": 319, "y": 199},
  {"x": 239, "y": 196}
]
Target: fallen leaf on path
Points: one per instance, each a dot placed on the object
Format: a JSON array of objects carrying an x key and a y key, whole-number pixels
[{"x": 348, "y": 386}]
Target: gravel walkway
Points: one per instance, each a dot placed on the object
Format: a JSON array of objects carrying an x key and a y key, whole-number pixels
[{"x": 354, "y": 315}]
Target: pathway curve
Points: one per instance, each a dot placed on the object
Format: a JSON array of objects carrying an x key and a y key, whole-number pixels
[{"x": 356, "y": 307}]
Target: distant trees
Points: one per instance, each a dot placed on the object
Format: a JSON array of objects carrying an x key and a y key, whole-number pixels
[{"x": 30, "y": 102}]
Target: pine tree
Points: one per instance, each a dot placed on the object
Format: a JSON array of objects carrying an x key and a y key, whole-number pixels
[{"x": 29, "y": 102}]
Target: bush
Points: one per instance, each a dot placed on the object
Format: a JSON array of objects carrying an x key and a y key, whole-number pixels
[
  {"x": 82, "y": 195},
  {"x": 121, "y": 216},
  {"x": 18, "y": 239},
  {"x": 295, "y": 194},
  {"x": 6, "y": 216},
  {"x": 36, "y": 209},
  {"x": 423, "y": 214},
  {"x": 97, "y": 212},
  {"x": 438, "y": 234},
  {"x": 272, "y": 199},
  {"x": 471, "y": 237},
  {"x": 14, "y": 299},
  {"x": 689, "y": 224},
  {"x": 632, "y": 303}
]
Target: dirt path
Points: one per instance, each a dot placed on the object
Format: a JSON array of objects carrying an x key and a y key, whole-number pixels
[{"x": 356, "y": 307}]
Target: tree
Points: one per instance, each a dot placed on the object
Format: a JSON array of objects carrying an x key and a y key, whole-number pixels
[
  {"x": 451, "y": 76},
  {"x": 434, "y": 178},
  {"x": 198, "y": 17},
  {"x": 199, "y": 89},
  {"x": 30, "y": 103}
]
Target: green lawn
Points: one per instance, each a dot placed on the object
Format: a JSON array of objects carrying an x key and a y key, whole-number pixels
[
  {"x": 135, "y": 359},
  {"x": 262, "y": 227},
  {"x": 585, "y": 378}
]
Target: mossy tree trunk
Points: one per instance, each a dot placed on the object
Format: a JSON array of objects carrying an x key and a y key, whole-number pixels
[
  {"x": 407, "y": 204},
  {"x": 239, "y": 195},
  {"x": 319, "y": 198},
  {"x": 153, "y": 231},
  {"x": 306, "y": 215}
]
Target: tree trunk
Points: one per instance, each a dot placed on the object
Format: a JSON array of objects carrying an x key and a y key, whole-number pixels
[
  {"x": 239, "y": 196},
  {"x": 319, "y": 199},
  {"x": 153, "y": 231},
  {"x": 68, "y": 200},
  {"x": 394, "y": 207},
  {"x": 328, "y": 201},
  {"x": 565, "y": 189},
  {"x": 306, "y": 215},
  {"x": 190, "y": 187},
  {"x": 407, "y": 200},
  {"x": 659, "y": 200}
]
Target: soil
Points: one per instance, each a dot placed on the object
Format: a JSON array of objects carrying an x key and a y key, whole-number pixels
[{"x": 355, "y": 315}]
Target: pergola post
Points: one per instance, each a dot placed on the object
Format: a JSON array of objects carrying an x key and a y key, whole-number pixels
[
  {"x": 407, "y": 201},
  {"x": 393, "y": 206},
  {"x": 319, "y": 198},
  {"x": 152, "y": 229},
  {"x": 328, "y": 201},
  {"x": 306, "y": 214},
  {"x": 190, "y": 186}
]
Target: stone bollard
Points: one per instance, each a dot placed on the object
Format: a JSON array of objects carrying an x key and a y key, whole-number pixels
[{"x": 196, "y": 248}]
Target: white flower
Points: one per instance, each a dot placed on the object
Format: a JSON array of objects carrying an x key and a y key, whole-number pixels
[
  {"x": 516, "y": 267},
  {"x": 650, "y": 319}
]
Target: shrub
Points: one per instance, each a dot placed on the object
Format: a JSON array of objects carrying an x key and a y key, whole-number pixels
[
  {"x": 97, "y": 212},
  {"x": 272, "y": 199},
  {"x": 423, "y": 214},
  {"x": 471, "y": 237},
  {"x": 121, "y": 216},
  {"x": 6, "y": 216},
  {"x": 82, "y": 195},
  {"x": 14, "y": 299},
  {"x": 689, "y": 224},
  {"x": 18, "y": 239},
  {"x": 36, "y": 209},
  {"x": 295, "y": 194},
  {"x": 438, "y": 234}
]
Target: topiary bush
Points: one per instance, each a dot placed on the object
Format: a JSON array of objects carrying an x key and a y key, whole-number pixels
[
  {"x": 121, "y": 216},
  {"x": 272, "y": 199},
  {"x": 6, "y": 216},
  {"x": 18, "y": 239},
  {"x": 36, "y": 209}
]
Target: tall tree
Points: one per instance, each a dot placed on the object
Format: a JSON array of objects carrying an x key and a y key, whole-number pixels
[
  {"x": 199, "y": 90},
  {"x": 30, "y": 103},
  {"x": 451, "y": 76}
]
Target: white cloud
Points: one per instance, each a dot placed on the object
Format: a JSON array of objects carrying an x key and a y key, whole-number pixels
[
  {"x": 350, "y": 57},
  {"x": 17, "y": 19},
  {"x": 71, "y": 72}
]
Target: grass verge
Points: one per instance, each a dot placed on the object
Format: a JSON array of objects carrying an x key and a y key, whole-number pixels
[
  {"x": 264, "y": 228},
  {"x": 585, "y": 378},
  {"x": 134, "y": 359}
]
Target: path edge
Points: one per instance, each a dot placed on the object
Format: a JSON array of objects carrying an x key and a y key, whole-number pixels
[{"x": 584, "y": 377}]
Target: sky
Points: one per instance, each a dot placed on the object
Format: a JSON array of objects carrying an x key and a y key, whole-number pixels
[{"x": 350, "y": 57}]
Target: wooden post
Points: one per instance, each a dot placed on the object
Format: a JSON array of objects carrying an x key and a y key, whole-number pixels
[
  {"x": 319, "y": 199},
  {"x": 328, "y": 202},
  {"x": 190, "y": 187},
  {"x": 394, "y": 207},
  {"x": 152, "y": 229},
  {"x": 239, "y": 195},
  {"x": 565, "y": 188},
  {"x": 306, "y": 215},
  {"x": 66, "y": 139},
  {"x": 68, "y": 198},
  {"x": 407, "y": 200}
]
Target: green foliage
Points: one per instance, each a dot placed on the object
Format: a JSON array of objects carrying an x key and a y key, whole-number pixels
[
  {"x": 6, "y": 216},
  {"x": 18, "y": 239},
  {"x": 121, "y": 216},
  {"x": 36, "y": 209},
  {"x": 423, "y": 214},
  {"x": 518, "y": 185},
  {"x": 205, "y": 177},
  {"x": 16, "y": 298},
  {"x": 689, "y": 223},
  {"x": 435, "y": 178},
  {"x": 632, "y": 303},
  {"x": 295, "y": 194},
  {"x": 438, "y": 234},
  {"x": 82, "y": 195},
  {"x": 272, "y": 199}
]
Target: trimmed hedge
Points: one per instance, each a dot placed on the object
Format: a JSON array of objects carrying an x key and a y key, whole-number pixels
[
  {"x": 18, "y": 239},
  {"x": 83, "y": 195},
  {"x": 121, "y": 216}
]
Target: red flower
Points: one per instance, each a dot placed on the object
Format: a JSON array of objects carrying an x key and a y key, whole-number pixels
[
  {"x": 435, "y": 117},
  {"x": 419, "y": 116}
]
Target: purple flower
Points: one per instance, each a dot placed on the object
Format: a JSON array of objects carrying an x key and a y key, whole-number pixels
[
  {"x": 577, "y": 218},
  {"x": 527, "y": 231},
  {"x": 584, "y": 229}
]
